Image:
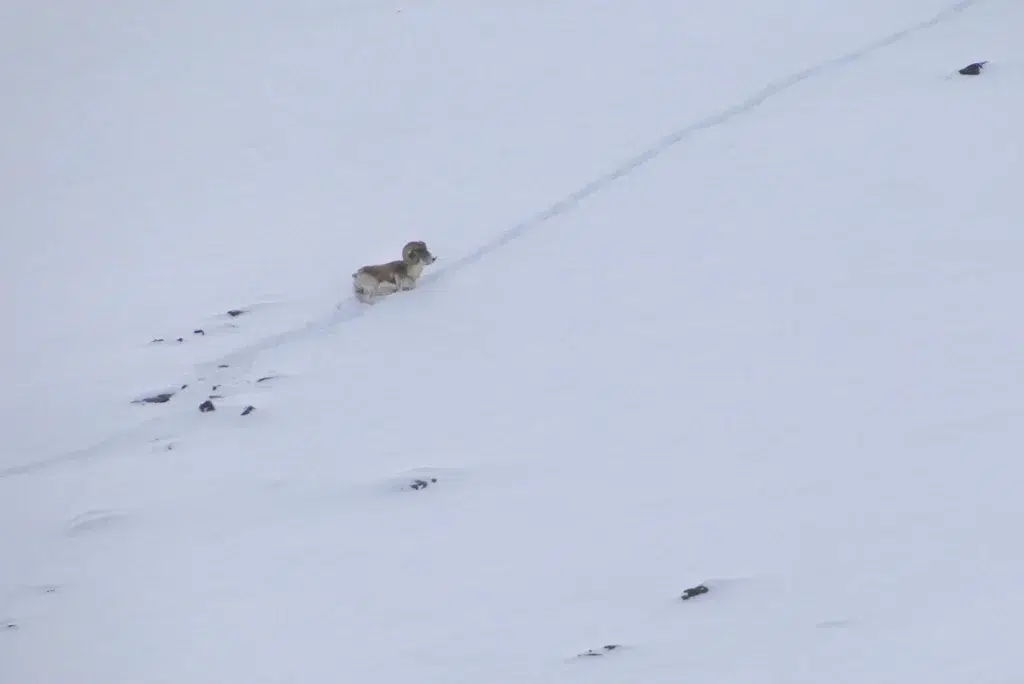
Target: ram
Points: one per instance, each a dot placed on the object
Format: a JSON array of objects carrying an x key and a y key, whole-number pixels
[{"x": 372, "y": 282}]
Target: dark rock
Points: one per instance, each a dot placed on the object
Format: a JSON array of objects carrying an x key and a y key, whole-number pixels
[
  {"x": 184, "y": 386},
  {"x": 161, "y": 398},
  {"x": 235, "y": 313},
  {"x": 181, "y": 339},
  {"x": 248, "y": 409},
  {"x": 215, "y": 388},
  {"x": 422, "y": 484},
  {"x": 973, "y": 69},
  {"x": 694, "y": 591},
  {"x": 216, "y": 396},
  {"x": 223, "y": 365},
  {"x": 207, "y": 406},
  {"x": 604, "y": 649},
  {"x": 198, "y": 331},
  {"x": 265, "y": 378},
  {"x": 157, "y": 340}
]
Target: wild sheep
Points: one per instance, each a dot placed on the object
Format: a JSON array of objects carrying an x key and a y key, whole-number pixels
[{"x": 379, "y": 280}]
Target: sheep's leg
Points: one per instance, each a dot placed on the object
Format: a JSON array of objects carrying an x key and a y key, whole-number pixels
[
  {"x": 368, "y": 289},
  {"x": 364, "y": 294},
  {"x": 386, "y": 288},
  {"x": 360, "y": 292}
]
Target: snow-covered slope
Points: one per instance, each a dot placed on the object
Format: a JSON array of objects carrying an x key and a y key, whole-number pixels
[{"x": 727, "y": 293}]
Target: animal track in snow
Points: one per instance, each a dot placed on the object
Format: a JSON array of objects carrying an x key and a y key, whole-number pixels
[{"x": 94, "y": 520}]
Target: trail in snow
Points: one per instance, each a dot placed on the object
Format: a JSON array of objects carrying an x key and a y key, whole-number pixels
[
  {"x": 674, "y": 138},
  {"x": 350, "y": 309},
  {"x": 229, "y": 369}
]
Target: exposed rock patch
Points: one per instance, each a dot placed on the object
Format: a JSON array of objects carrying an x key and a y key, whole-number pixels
[
  {"x": 694, "y": 591},
  {"x": 161, "y": 398},
  {"x": 973, "y": 69}
]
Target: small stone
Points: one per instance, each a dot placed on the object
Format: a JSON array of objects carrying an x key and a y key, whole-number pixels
[
  {"x": 694, "y": 591},
  {"x": 234, "y": 313},
  {"x": 248, "y": 409},
  {"x": 973, "y": 69},
  {"x": 184, "y": 386},
  {"x": 223, "y": 365},
  {"x": 10, "y": 625},
  {"x": 198, "y": 331},
  {"x": 181, "y": 339},
  {"x": 157, "y": 340},
  {"x": 207, "y": 406},
  {"x": 265, "y": 378},
  {"x": 216, "y": 396},
  {"x": 215, "y": 388},
  {"x": 161, "y": 398}
]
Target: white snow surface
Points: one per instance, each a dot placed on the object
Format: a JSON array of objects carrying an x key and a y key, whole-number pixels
[{"x": 728, "y": 292}]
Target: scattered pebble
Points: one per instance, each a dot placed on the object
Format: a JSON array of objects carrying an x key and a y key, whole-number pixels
[
  {"x": 973, "y": 69},
  {"x": 694, "y": 591},
  {"x": 207, "y": 406},
  {"x": 248, "y": 409},
  {"x": 161, "y": 398}
]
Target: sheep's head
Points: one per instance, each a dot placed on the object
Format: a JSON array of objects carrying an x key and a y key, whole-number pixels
[{"x": 416, "y": 252}]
